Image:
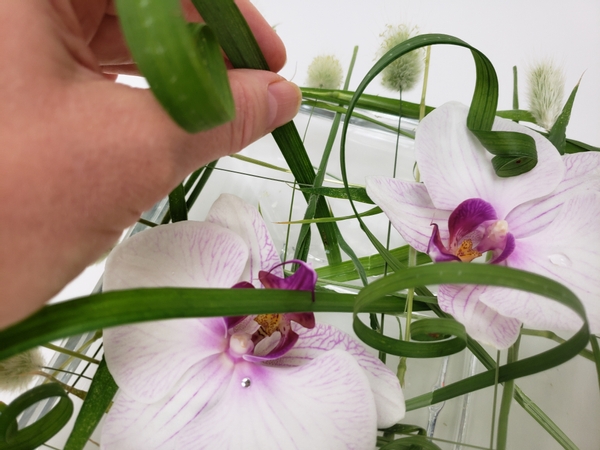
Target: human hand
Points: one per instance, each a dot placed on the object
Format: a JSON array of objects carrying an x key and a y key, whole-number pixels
[{"x": 80, "y": 156}]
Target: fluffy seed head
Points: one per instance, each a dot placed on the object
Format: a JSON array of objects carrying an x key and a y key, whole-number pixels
[
  {"x": 16, "y": 372},
  {"x": 546, "y": 84},
  {"x": 325, "y": 71},
  {"x": 403, "y": 73}
]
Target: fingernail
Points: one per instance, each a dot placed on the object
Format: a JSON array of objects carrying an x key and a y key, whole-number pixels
[{"x": 284, "y": 102}]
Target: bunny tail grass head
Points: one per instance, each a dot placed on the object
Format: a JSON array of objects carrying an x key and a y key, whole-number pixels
[
  {"x": 325, "y": 71},
  {"x": 17, "y": 372},
  {"x": 403, "y": 73},
  {"x": 545, "y": 92}
]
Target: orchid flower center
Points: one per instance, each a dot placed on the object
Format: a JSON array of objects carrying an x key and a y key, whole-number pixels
[
  {"x": 271, "y": 335},
  {"x": 474, "y": 230},
  {"x": 269, "y": 323},
  {"x": 240, "y": 344},
  {"x": 466, "y": 252}
]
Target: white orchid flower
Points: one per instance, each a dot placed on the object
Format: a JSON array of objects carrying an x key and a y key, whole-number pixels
[
  {"x": 258, "y": 382},
  {"x": 544, "y": 221}
]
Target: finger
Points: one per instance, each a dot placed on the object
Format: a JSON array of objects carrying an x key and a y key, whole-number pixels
[
  {"x": 263, "y": 102},
  {"x": 266, "y": 37},
  {"x": 109, "y": 44},
  {"x": 268, "y": 41},
  {"x": 89, "y": 14},
  {"x": 110, "y": 47},
  {"x": 121, "y": 69}
]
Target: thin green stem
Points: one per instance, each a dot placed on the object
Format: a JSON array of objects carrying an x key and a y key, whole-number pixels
[
  {"x": 68, "y": 388},
  {"x": 422, "y": 105},
  {"x": 412, "y": 253},
  {"x": 195, "y": 192},
  {"x": 382, "y": 356},
  {"x": 507, "y": 397},
  {"x": 72, "y": 353},
  {"x": 260, "y": 163},
  {"x": 493, "y": 427},
  {"x": 556, "y": 338},
  {"x": 289, "y": 226},
  {"x": 147, "y": 223},
  {"x": 70, "y": 372},
  {"x": 515, "y": 102},
  {"x": 97, "y": 335}
]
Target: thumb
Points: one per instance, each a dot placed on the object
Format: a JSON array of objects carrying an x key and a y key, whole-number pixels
[{"x": 263, "y": 102}]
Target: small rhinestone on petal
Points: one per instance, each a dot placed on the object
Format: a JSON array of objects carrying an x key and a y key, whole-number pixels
[{"x": 246, "y": 382}]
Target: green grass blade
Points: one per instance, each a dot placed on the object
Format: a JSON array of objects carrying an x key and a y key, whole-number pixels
[
  {"x": 98, "y": 399},
  {"x": 444, "y": 273},
  {"x": 177, "y": 206},
  {"x": 558, "y": 133},
  {"x": 116, "y": 308},
  {"x": 41, "y": 430},
  {"x": 242, "y": 50},
  {"x": 182, "y": 64},
  {"x": 374, "y": 265}
]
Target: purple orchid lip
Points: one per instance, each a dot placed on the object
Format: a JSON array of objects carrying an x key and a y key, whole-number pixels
[
  {"x": 474, "y": 229},
  {"x": 304, "y": 279}
]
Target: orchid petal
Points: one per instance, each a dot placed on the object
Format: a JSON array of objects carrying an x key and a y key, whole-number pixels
[
  {"x": 131, "y": 424},
  {"x": 436, "y": 248},
  {"x": 582, "y": 174},
  {"x": 509, "y": 247},
  {"x": 268, "y": 351},
  {"x": 307, "y": 320},
  {"x": 467, "y": 216},
  {"x": 568, "y": 251},
  {"x": 245, "y": 324},
  {"x": 233, "y": 213},
  {"x": 266, "y": 345},
  {"x": 286, "y": 339},
  {"x": 146, "y": 360},
  {"x": 183, "y": 254},
  {"x": 344, "y": 419},
  {"x": 481, "y": 322},
  {"x": 303, "y": 279},
  {"x": 389, "y": 399},
  {"x": 409, "y": 208},
  {"x": 188, "y": 254},
  {"x": 455, "y": 166}
]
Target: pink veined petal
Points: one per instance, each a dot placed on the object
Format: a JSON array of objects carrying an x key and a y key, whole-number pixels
[
  {"x": 567, "y": 251},
  {"x": 389, "y": 399},
  {"x": 454, "y": 165},
  {"x": 481, "y": 322},
  {"x": 233, "y": 213},
  {"x": 146, "y": 360},
  {"x": 409, "y": 208},
  {"x": 131, "y": 424},
  {"x": 186, "y": 254},
  {"x": 183, "y": 254},
  {"x": 325, "y": 404},
  {"x": 582, "y": 175}
]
